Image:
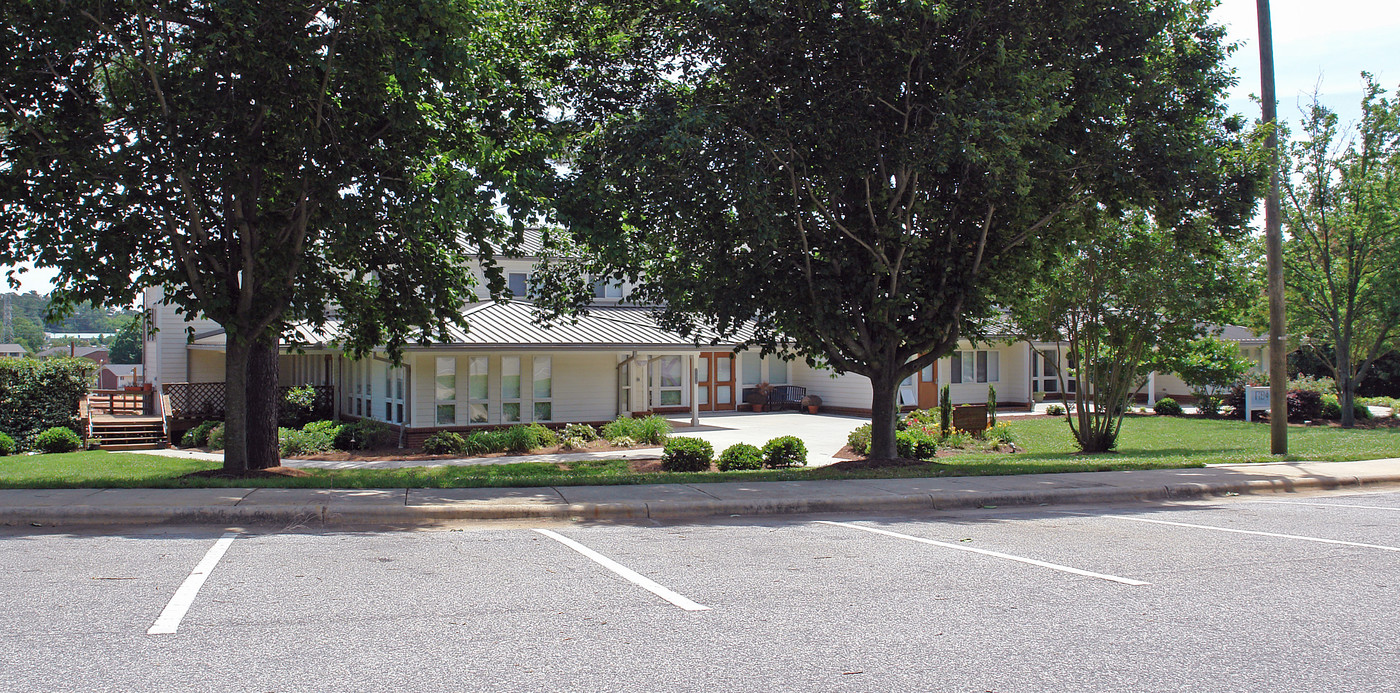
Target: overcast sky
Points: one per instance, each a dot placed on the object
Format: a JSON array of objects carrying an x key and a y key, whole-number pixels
[{"x": 1321, "y": 45}]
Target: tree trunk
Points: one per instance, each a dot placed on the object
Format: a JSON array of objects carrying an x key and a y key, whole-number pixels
[
  {"x": 262, "y": 400},
  {"x": 1346, "y": 385},
  {"x": 883, "y": 415},
  {"x": 236, "y": 353}
]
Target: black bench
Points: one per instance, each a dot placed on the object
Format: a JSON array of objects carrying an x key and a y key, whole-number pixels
[{"x": 786, "y": 397}]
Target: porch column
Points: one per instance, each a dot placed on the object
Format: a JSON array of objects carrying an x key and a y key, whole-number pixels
[
  {"x": 1151, "y": 388},
  {"x": 640, "y": 392},
  {"x": 694, "y": 393},
  {"x": 1030, "y": 381}
]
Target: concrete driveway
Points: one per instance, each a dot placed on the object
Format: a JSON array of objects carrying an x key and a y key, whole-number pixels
[{"x": 824, "y": 434}]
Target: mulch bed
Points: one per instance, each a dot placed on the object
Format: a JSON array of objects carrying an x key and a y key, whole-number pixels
[
  {"x": 269, "y": 473},
  {"x": 386, "y": 454}
]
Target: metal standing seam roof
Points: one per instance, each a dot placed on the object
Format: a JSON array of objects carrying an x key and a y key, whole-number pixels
[{"x": 512, "y": 325}]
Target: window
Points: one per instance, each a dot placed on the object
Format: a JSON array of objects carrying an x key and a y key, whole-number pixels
[
  {"x": 777, "y": 371},
  {"x": 908, "y": 395},
  {"x": 603, "y": 288},
  {"x": 752, "y": 369},
  {"x": 510, "y": 389},
  {"x": 517, "y": 283},
  {"x": 669, "y": 368},
  {"x": 544, "y": 388},
  {"x": 976, "y": 367},
  {"x": 477, "y": 372},
  {"x": 445, "y": 390}
]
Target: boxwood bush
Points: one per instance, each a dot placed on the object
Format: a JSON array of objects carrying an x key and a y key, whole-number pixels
[
  {"x": 198, "y": 436},
  {"x": 58, "y": 439},
  {"x": 364, "y": 434},
  {"x": 445, "y": 443},
  {"x": 859, "y": 439},
  {"x": 39, "y": 395},
  {"x": 1167, "y": 407},
  {"x": 7, "y": 445},
  {"x": 687, "y": 455},
  {"x": 785, "y": 451},
  {"x": 915, "y": 444},
  {"x": 740, "y": 456},
  {"x": 216, "y": 437}
]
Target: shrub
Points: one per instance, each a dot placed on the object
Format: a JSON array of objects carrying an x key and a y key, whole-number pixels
[
  {"x": 924, "y": 417},
  {"x": 198, "y": 436},
  {"x": 1304, "y": 405},
  {"x": 1331, "y": 408},
  {"x": 58, "y": 439},
  {"x": 785, "y": 451},
  {"x": 519, "y": 439},
  {"x": 654, "y": 430},
  {"x": 916, "y": 444},
  {"x": 583, "y": 431},
  {"x": 687, "y": 455},
  {"x": 1235, "y": 401},
  {"x": 216, "y": 436},
  {"x": 327, "y": 428},
  {"x": 1208, "y": 404},
  {"x": 624, "y": 441},
  {"x": 317, "y": 436},
  {"x": 444, "y": 443},
  {"x": 956, "y": 439},
  {"x": 621, "y": 427},
  {"x": 364, "y": 434},
  {"x": 1321, "y": 386},
  {"x": 38, "y": 395},
  {"x": 298, "y": 405},
  {"x": 1167, "y": 407},
  {"x": 945, "y": 409},
  {"x": 7, "y": 445},
  {"x": 545, "y": 437},
  {"x": 1055, "y": 410},
  {"x": 573, "y": 443},
  {"x": 991, "y": 406},
  {"x": 483, "y": 443},
  {"x": 740, "y": 456},
  {"x": 859, "y": 439},
  {"x": 1000, "y": 433}
]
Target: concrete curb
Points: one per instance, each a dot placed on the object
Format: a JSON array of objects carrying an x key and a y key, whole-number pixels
[{"x": 423, "y": 515}]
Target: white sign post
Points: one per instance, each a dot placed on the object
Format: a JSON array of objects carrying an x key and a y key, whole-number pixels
[{"x": 1255, "y": 398}]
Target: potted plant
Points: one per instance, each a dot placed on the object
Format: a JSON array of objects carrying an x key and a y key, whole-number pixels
[
  {"x": 812, "y": 403},
  {"x": 760, "y": 398}
]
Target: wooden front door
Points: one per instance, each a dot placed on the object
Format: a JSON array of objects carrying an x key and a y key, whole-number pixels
[
  {"x": 928, "y": 386},
  {"x": 716, "y": 386}
]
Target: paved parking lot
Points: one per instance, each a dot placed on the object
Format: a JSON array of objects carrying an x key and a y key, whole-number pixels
[{"x": 1267, "y": 593}]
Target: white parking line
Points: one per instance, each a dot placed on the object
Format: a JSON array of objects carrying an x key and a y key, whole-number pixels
[
  {"x": 169, "y": 619},
  {"x": 994, "y": 554},
  {"x": 632, "y": 575},
  {"x": 1328, "y": 505},
  {"x": 1250, "y": 531}
]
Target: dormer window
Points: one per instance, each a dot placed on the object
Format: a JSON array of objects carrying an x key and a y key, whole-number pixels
[
  {"x": 603, "y": 288},
  {"x": 517, "y": 282}
]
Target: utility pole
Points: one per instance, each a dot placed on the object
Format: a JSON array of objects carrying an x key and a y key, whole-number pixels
[
  {"x": 9, "y": 335},
  {"x": 1273, "y": 239}
]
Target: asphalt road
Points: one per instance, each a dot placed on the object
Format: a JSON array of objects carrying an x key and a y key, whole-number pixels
[{"x": 812, "y": 603}]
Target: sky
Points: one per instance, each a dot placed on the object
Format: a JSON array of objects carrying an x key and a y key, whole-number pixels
[{"x": 1318, "y": 46}]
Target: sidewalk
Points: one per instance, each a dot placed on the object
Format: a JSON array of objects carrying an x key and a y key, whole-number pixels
[{"x": 409, "y": 507}]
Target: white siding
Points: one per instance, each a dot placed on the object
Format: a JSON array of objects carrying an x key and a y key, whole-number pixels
[
  {"x": 165, "y": 358},
  {"x": 1013, "y": 385},
  {"x": 206, "y": 366},
  {"x": 849, "y": 390},
  {"x": 584, "y": 385}
]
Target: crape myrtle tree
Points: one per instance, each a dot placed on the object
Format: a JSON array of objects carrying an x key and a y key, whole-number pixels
[
  {"x": 1125, "y": 298},
  {"x": 1341, "y": 210},
  {"x": 269, "y": 161},
  {"x": 860, "y": 183}
]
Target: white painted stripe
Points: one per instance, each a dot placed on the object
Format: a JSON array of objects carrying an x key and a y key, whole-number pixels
[
  {"x": 994, "y": 554},
  {"x": 1329, "y": 505},
  {"x": 169, "y": 619},
  {"x": 1254, "y": 532},
  {"x": 632, "y": 575}
]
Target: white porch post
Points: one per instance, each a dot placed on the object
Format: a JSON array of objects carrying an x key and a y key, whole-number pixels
[
  {"x": 1151, "y": 388},
  {"x": 694, "y": 393},
  {"x": 1030, "y": 381}
]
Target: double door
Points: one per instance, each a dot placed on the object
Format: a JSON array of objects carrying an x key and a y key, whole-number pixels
[{"x": 715, "y": 381}]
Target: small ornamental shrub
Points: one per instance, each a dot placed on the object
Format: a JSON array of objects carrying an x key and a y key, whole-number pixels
[
  {"x": 58, "y": 439},
  {"x": 1055, "y": 410},
  {"x": 483, "y": 443},
  {"x": 1331, "y": 408},
  {"x": 915, "y": 444},
  {"x": 654, "y": 430},
  {"x": 7, "y": 445},
  {"x": 1322, "y": 386},
  {"x": 925, "y": 417},
  {"x": 298, "y": 405},
  {"x": 945, "y": 409},
  {"x": 545, "y": 437},
  {"x": 956, "y": 439},
  {"x": 859, "y": 439},
  {"x": 573, "y": 443},
  {"x": 1167, "y": 407},
  {"x": 1304, "y": 405},
  {"x": 519, "y": 439},
  {"x": 991, "y": 406},
  {"x": 198, "y": 436},
  {"x": 312, "y": 438},
  {"x": 364, "y": 434},
  {"x": 583, "y": 431},
  {"x": 41, "y": 394},
  {"x": 740, "y": 456},
  {"x": 621, "y": 427},
  {"x": 785, "y": 451},
  {"x": 216, "y": 437},
  {"x": 624, "y": 442},
  {"x": 1000, "y": 433},
  {"x": 445, "y": 443},
  {"x": 687, "y": 455},
  {"x": 1208, "y": 404}
]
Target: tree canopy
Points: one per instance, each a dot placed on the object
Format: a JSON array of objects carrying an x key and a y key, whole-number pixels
[
  {"x": 264, "y": 161},
  {"x": 862, "y": 182}
]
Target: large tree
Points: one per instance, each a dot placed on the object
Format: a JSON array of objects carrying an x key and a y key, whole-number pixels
[
  {"x": 264, "y": 160},
  {"x": 861, "y": 182},
  {"x": 1342, "y": 259}
]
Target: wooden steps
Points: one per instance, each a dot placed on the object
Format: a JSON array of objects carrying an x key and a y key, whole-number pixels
[{"x": 143, "y": 434}]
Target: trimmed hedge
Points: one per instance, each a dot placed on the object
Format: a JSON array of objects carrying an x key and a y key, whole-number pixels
[
  {"x": 445, "y": 443},
  {"x": 7, "y": 445},
  {"x": 364, "y": 434},
  {"x": 785, "y": 451},
  {"x": 1167, "y": 407},
  {"x": 58, "y": 439},
  {"x": 740, "y": 456},
  {"x": 39, "y": 395},
  {"x": 687, "y": 455}
]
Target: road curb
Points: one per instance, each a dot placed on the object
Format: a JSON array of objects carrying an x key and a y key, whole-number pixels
[{"x": 413, "y": 515}]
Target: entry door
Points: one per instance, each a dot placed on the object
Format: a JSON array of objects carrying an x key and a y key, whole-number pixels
[
  {"x": 928, "y": 386},
  {"x": 716, "y": 386}
]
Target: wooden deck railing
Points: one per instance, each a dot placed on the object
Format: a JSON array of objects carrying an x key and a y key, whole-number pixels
[{"x": 118, "y": 402}]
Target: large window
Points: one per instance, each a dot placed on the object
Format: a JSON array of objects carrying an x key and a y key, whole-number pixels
[
  {"x": 751, "y": 370},
  {"x": 604, "y": 288},
  {"x": 477, "y": 391},
  {"x": 518, "y": 283},
  {"x": 671, "y": 378},
  {"x": 777, "y": 371},
  {"x": 976, "y": 367},
  {"x": 445, "y": 391},
  {"x": 544, "y": 388},
  {"x": 510, "y": 389}
]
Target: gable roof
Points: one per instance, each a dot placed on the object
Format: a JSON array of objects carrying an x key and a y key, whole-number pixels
[
  {"x": 13, "y": 348},
  {"x": 62, "y": 350}
]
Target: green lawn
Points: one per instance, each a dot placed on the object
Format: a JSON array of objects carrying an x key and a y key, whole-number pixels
[{"x": 1148, "y": 442}]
